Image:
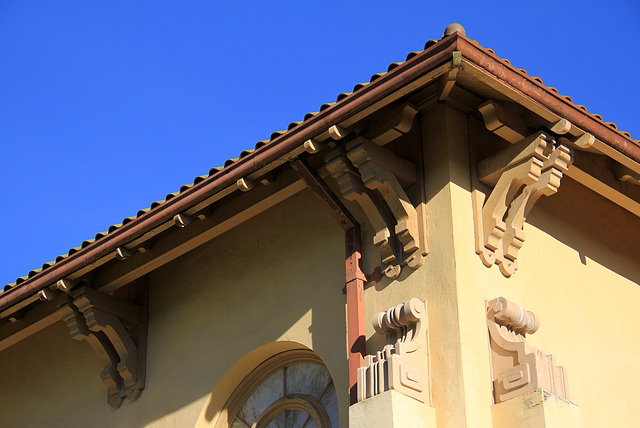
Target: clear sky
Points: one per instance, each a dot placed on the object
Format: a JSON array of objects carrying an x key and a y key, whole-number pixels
[{"x": 107, "y": 106}]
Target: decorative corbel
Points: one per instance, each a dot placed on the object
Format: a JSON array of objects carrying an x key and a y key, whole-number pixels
[
  {"x": 398, "y": 123},
  {"x": 520, "y": 175},
  {"x": 182, "y": 219},
  {"x": 503, "y": 122},
  {"x": 378, "y": 170},
  {"x": 245, "y": 184},
  {"x": 122, "y": 253},
  {"x": 353, "y": 189},
  {"x": 518, "y": 368},
  {"x": 622, "y": 173},
  {"x": 369, "y": 175},
  {"x": 403, "y": 363},
  {"x": 313, "y": 146},
  {"x": 117, "y": 331}
]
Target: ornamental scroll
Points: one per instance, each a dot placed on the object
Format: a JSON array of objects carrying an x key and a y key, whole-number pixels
[
  {"x": 403, "y": 363},
  {"x": 117, "y": 332},
  {"x": 518, "y": 368},
  {"x": 370, "y": 176},
  {"x": 520, "y": 174}
]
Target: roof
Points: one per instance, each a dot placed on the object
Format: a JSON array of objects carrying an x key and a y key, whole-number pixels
[{"x": 289, "y": 143}]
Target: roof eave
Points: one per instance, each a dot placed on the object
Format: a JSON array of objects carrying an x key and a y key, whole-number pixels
[
  {"x": 345, "y": 112},
  {"x": 287, "y": 145},
  {"x": 612, "y": 142}
]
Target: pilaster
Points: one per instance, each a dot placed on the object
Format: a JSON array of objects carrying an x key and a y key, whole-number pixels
[{"x": 444, "y": 148}]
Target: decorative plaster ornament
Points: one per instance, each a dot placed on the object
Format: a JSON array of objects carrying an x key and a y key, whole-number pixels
[
  {"x": 403, "y": 363},
  {"x": 518, "y": 368}
]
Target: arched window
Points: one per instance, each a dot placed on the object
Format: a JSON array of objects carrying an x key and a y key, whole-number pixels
[{"x": 289, "y": 390}]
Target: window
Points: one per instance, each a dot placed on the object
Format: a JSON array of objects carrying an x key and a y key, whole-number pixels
[{"x": 290, "y": 390}]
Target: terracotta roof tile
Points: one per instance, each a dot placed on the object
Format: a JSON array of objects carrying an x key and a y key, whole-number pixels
[
  {"x": 293, "y": 125},
  {"x": 261, "y": 144},
  {"x": 359, "y": 86},
  {"x": 343, "y": 95},
  {"x": 325, "y": 106},
  {"x": 566, "y": 97}
]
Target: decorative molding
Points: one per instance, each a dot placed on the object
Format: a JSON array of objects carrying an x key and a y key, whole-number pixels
[
  {"x": 518, "y": 368},
  {"x": 369, "y": 175},
  {"x": 403, "y": 363},
  {"x": 622, "y": 173},
  {"x": 501, "y": 121},
  {"x": 395, "y": 125},
  {"x": 117, "y": 331},
  {"x": 520, "y": 174}
]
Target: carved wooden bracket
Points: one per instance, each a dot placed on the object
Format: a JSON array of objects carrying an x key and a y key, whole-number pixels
[
  {"x": 369, "y": 175},
  {"x": 502, "y": 122},
  {"x": 518, "y": 368},
  {"x": 397, "y": 123},
  {"x": 623, "y": 173},
  {"x": 513, "y": 128},
  {"x": 117, "y": 332},
  {"x": 403, "y": 363},
  {"x": 520, "y": 174}
]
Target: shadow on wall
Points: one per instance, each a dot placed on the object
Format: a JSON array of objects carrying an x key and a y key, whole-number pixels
[
  {"x": 225, "y": 387},
  {"x": 593, "y": 226},
  {"x": 278, "y": 277}
]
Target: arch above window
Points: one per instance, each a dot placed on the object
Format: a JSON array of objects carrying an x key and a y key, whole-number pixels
[{"x": 292, "y": 389}]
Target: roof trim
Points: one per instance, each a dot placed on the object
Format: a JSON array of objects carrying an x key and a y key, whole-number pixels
[
  {"x": 376, "y": 91},
  {"x": 284, "y": 144},
  {"x": 534, "y": 89}
]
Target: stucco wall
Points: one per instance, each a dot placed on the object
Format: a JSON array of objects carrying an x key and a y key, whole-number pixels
[
  {"x": 278, "y": 278},
  {"x": 582, "y": 280},
  {"x": 435, "y": 281},
  {"x": 579, "y": 271}
]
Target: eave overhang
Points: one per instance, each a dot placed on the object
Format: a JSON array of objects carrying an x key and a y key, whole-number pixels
[
  {"x": 281, "y": 149},
  {"x": 547, "y": 102},
  {"x": 403, "y": 79}
]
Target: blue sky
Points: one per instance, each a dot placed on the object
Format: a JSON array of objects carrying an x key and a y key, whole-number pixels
[{"x": 107, "y": 106}]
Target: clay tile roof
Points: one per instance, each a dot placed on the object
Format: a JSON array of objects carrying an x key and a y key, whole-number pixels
[
  {"x": 265, "y": 144},
  {"x": 554, "y": 90}
]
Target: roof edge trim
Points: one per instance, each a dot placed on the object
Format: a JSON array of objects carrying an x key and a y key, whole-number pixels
[
  {"x": 554, "y": 102},
  {"x": 376, "y": 91}
]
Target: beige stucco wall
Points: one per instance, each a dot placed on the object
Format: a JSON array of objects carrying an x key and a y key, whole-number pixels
[
  {"x": 278, "y": 278},
  {"x": 579, "y": 271},
  {"x": 584, "y": 286}
]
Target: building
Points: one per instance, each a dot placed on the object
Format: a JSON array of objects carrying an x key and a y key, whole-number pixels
[{"x": 246, "y": 299}]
